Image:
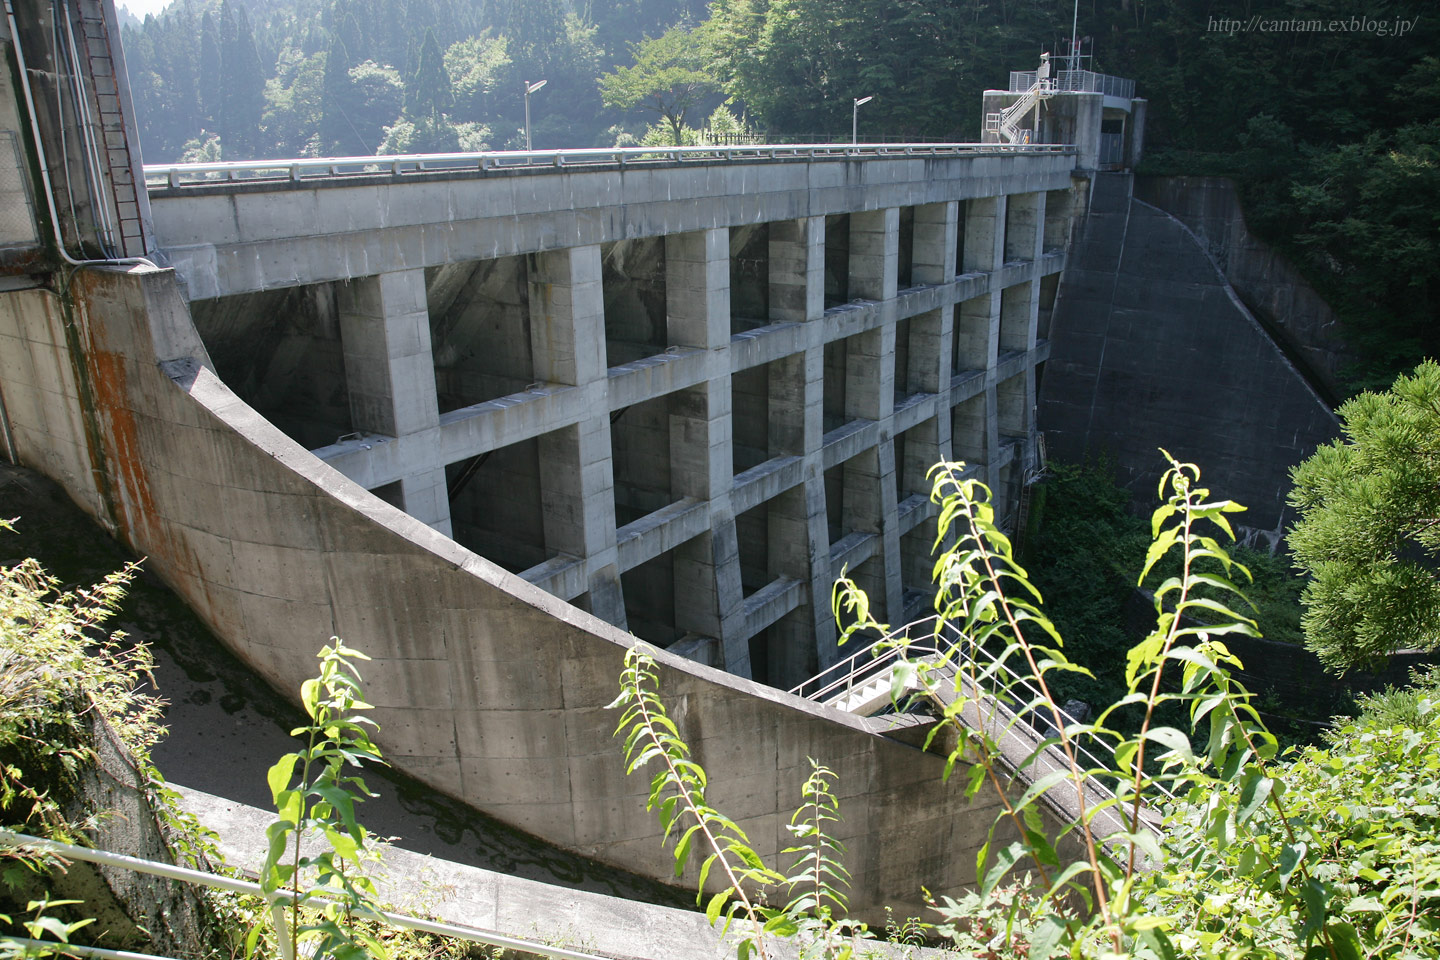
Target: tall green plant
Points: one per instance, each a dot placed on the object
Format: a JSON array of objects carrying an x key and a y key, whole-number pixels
[
  {"x": 815, "y": 886},
  {"x": 315, "y": 798},
  {"x": 985, "y": 599}
]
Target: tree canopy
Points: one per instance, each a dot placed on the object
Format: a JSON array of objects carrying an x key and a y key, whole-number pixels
[
  {"x": 670, "y": 75},
  {"x": 1370, "y": 529}
]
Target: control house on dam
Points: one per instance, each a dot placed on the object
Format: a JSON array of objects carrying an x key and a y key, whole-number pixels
[{"x": 684, "y": 396}]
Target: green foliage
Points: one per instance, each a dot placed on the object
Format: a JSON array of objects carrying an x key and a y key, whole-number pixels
[
  {"x": 677, "y": 795},
  {"x": 1082, "y": 554},
  {"x": 818, "y": 876},
  {"x": 1357, "y": 840},
  {"x": 428, "y": 95},
  {"x": 985, "y": 598},
  {"x": 1406, "y": 706},
  {"x": 476, "y": 66},
  {"x": 1082, "y": 557},
  {"x": 56, "y": 665},
  {"x": 670, "y": 75},
  {"x": 1369, "y": 534},
  {"x": 41, "y": 927},
  {"x": 316, "y": 802}
]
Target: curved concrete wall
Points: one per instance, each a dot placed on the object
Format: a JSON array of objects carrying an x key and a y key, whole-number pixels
[
  {"x": 1267, "y": 282},
  {"x": 486, "y": 687}
]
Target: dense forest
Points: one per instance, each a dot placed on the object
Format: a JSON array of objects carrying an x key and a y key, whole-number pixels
[{"x": 1332, "y": 133}]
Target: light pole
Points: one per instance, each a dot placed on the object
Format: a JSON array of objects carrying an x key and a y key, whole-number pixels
[
  {"x": 529, "y": 89},
  {"x": 855, "y": 120}
]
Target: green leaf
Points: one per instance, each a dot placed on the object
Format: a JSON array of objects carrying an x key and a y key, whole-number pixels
[
  {"x": 1045, "y": 937},
  {"x": 1254, "y": 790},
  {"x": 280, "y": 775},
  {"x": 1291, "y": 856}
]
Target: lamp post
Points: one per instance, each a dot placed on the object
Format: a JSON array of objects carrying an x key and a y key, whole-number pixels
[
  {"x": 855, "y": 120},
  {"x": 529, "y": 89}
]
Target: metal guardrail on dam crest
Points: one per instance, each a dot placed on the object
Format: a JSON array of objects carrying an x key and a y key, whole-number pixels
[{"x": 174, "y": 175}]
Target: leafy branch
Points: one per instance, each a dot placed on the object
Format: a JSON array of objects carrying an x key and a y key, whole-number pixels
[{"x": 321, "y": 806}]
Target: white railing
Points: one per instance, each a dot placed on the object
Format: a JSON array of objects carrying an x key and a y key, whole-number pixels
[
  {"x": 1077, "y": 81},
  {"x": 277, "y": 905},
  {"x": 160, "y": 175},
  {"x": 837, "y": 682}
]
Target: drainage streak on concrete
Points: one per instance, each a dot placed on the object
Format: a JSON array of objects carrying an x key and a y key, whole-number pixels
[{"x": 227, "y": 726}]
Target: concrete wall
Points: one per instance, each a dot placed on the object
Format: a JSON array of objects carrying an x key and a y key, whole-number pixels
[
  {"x": 486, "y": 687},
  {"x": 1267, "y": 282},
  {"x": 236, "y": 238},
  {"x": 1151, "y": 348}
]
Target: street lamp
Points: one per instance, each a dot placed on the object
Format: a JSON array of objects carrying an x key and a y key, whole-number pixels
[
  {"x": 529, "y": 89},
  {"x": 855, "y": 120}
]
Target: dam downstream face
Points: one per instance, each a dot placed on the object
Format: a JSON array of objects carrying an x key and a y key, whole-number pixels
[{"x": 227, "y": 726}]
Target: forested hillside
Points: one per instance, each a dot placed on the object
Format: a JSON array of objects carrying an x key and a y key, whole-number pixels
[{"x": 1325, "y": 113}]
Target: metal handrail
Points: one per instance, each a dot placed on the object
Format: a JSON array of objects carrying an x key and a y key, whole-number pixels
[
  {"x": 277, "y": 901},
  {"x": 310, "y": 168},
  {"x": 853, "y": 672},
  {"x": 1077, "y": 81}
]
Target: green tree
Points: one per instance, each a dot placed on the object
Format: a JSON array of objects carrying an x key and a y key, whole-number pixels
[
  {"x": 428, "y": 95},
  {"x": 210, "y": 81},
  {"x": 670, "y": 75},
  {"x": 1370, "y": 530},
  {"x": 242, "y": 97},
  {"x": 338, "y": 135},
  {"x": 475, "y": 66},
  {"x": 378, "y": 95},
  {"x": 293, "y": 99}
]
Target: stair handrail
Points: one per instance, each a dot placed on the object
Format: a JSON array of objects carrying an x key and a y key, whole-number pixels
[{"x": 855, "y": 670}]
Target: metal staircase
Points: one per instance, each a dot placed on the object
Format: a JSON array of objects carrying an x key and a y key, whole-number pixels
[
  {"x": 1007, "y": 123},
  {"x": 864, "y": 684}
]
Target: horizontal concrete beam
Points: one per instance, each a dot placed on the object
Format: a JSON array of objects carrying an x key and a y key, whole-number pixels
[{"x": 225, "y": 240}]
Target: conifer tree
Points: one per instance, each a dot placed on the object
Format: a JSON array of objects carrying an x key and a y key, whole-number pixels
[
  {"x": 242, "y": 95},
  {"x": 1370, "y": 533},
  {"x": 210, "y": 82},
  {"x": 428, "y": 94}
]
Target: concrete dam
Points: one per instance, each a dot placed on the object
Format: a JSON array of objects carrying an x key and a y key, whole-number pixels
[{"x": 490, "y": 419}]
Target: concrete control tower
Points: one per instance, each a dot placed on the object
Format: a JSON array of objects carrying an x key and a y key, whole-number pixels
[{"x": 1097, "y": 113}]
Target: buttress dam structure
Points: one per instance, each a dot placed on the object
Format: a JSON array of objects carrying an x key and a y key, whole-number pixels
[{"x": 491, "y": 418}]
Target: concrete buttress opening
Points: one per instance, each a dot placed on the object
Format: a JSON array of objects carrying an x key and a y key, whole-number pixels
[
  {"x": 479, "y": 330},
  {"x": 640, "y": 458},
  {"x": 902, "y": 359},
  {"x": 496, "y": 505},
  {"x": 1049, "y": 286},
  {"x": 837, "y": 260},
  {"x": 633, "y": 279},
  {"x": 971, "y": 338},
  {"x": 749, "y": 277},
  {"x": 280, "y": 351},
  {"x": 750, "y": 417},
  {"x": 1015, "y": 319},
  {"x": 649, "y": 590},
  {"x": 968, "y": 430},
  {"x": 905, "y": 267},
  {"x": 960, "y": 240}
]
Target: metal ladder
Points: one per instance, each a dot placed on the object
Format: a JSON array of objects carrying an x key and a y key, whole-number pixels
[{"x": 119, "y": 183}]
